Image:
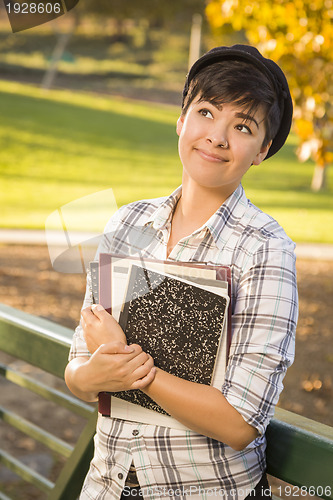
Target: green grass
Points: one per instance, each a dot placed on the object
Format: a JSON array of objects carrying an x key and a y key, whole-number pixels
[{"x": 59, "y": 146}]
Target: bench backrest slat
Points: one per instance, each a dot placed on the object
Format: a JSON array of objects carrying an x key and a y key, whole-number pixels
[
  {"x": 300, "y": 451},
  {"x": 35, "y": 340},
  {"x": 47, "y": 392},
  {"x": 35, "y": 432},
  {"x": 26, "y": 472}
]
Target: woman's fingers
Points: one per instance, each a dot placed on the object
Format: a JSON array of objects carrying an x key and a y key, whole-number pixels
[
  {"x": 118, "y": 347},
  {"x": 88, "y": 315},
  {"x": 145, "y": 373},
  {"x": 146, "y": 380}
]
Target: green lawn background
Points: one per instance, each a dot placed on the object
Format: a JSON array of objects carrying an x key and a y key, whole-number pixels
[{"x": 59, "y": 146}]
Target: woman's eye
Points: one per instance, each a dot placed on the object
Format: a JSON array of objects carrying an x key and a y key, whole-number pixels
[
  {"x": 244, "y": 128},
  {"x": 206, "y": 112}
]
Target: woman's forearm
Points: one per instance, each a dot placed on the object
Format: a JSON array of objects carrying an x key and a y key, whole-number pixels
[
  {"x": 201, "y": 408},
  {"x": 75, "y": 373}
]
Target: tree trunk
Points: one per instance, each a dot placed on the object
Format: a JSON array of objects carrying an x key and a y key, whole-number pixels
[
  {"x": 58, "y": 51},
  {"x": 319, "y": 178},
  {"x": 195, "y": 39}
]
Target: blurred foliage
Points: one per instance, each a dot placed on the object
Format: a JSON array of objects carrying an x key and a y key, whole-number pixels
[
  {"x": 155, "y": 12},
  {"x": 298, "y": 35}
]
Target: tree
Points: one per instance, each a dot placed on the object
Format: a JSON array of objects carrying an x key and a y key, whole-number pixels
[{"x": 298, "y": 34}]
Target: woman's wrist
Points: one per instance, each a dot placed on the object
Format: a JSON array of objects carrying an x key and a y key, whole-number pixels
[{"x": 82, "y": 381}]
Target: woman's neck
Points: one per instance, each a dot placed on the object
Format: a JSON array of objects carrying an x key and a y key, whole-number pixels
[
  {"x": 194, "y": 208},
  {"x": 197, "y": 204}
]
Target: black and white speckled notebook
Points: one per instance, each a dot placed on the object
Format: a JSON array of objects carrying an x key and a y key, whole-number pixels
[{"x": 178, "y": 322}]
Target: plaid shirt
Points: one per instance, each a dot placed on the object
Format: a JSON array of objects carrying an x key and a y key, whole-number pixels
[{"x": 172, "y": 463}]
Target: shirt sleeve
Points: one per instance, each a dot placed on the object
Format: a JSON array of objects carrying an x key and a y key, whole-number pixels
[
  {"x": 79, "y": 347},
  {"x": 263, "y": 332}
]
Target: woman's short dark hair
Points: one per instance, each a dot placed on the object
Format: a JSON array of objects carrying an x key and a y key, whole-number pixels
[{"x": 241, "y": 83}]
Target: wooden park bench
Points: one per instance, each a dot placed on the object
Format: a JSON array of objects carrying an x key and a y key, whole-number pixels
[{"x": 299, "y": 450}]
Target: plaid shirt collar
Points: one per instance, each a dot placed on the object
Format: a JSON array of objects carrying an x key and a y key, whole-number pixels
[{"x": 220, "y": 225}]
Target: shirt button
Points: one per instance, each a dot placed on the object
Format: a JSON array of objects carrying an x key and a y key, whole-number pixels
[
  {"x": 120, "y": 475},
  {"x": 135, "y": 432}
]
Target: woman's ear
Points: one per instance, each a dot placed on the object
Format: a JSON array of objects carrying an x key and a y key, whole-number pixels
[
  {"x": 262, "y": 154},
  {"x": 180, "y": 123}
]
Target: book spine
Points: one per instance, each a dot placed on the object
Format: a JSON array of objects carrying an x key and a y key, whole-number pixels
[
  {"x": 105, "y": 277},
  {"x": 94, "y": 277}
]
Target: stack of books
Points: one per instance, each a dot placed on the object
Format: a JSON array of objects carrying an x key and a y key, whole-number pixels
[{"x": 178, "y": 312}]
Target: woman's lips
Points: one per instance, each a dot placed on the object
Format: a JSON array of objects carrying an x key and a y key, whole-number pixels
[{"x": 208, "y": 156}]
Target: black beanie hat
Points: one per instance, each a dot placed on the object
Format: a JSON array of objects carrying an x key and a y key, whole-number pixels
[{"x": 268, "y": 67}]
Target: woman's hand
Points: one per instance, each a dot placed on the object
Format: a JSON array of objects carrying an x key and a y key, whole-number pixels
[
  {"x": 118, "y": 367},
  {"x": 99, "y": 327}
]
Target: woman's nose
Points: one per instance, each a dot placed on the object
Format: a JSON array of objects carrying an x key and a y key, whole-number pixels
[{"x": 218, "y": 138}]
